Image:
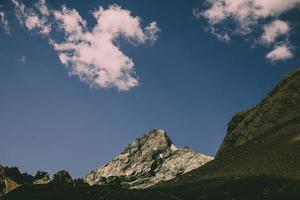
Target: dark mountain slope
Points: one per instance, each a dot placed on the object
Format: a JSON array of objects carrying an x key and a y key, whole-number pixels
[
  {"x": 282, "y": 104},
  {"x": 274, "y": 153},
  {"x": 263, "y": 141}
]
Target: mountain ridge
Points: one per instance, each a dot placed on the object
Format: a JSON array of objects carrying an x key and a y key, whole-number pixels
[{"x": 278, "y": 106}]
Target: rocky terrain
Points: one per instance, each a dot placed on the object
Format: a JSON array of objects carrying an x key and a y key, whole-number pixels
[
  {"x": 147, "y": 161},
  {"x": 11, "y": 178},
  {"x": 6, "y": 183}
]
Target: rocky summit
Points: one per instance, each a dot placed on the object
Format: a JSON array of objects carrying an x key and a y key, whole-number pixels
[{"x": 148, "y": 160}]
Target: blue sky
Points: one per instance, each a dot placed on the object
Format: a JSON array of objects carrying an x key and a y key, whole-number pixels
[{"x": 189, "y": 83}]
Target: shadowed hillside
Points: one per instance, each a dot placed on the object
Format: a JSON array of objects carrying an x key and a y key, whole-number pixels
[
  {"x": 274, "y": 153},
  {"x": 251, "y": 188},
  {"x": 279, "y": 106}
]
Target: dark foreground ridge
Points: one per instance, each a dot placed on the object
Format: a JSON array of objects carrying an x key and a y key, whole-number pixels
[{"x": 250, "y": 188}]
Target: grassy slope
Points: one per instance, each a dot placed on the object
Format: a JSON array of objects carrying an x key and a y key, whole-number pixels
[
  {"x": 280, "y": 105},
  {"x": 274, "y": 153}
]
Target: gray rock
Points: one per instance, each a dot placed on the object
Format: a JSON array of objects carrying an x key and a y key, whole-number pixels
[{"x": 147, "y": 161}]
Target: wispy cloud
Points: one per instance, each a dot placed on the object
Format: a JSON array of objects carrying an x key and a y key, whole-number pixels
[
  {"x": 248, "y": 16},
  {"x": 35, "y": 18},
  {"x": 93, "y": 54},
  {"x": 4, "y": 21},
  {"x": 22, "y": 59}
]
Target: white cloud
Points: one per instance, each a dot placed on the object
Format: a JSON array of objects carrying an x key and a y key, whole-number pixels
[
  {"x": 246, "y": 12},
  {"x": 32, "y": 19},
  {"x": 280, "y": 52},
  {"x": 248, "y": 16},
  {"x": 4, "y": 22},
  {"x": 273, "y": 30},
  {"x": 221, "y": 36},
  {"x": 94, "y": 54},
  {"x": 42, "y": 7},
  {"x": 152, "y": 31}
]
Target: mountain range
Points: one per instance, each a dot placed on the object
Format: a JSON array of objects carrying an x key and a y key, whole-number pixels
[
  {"x": 151, "y": 159},
  {"x": 258, "y": 159}
]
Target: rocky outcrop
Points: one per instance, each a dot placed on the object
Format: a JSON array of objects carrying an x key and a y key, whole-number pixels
[
  {"x": 11, "y": 178},
  {"x": 41, "y": 177},
  {"x": 281, "y": 105},
  {"x": 148, "y": 160}
]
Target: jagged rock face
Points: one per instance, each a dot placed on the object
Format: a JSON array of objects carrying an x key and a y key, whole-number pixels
[
  {"x": 147, "y": 161},
  {"x": 281, "y": 105}
]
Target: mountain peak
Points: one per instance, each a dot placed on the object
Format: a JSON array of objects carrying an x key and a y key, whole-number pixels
[
  {"x": 148, "y": 160},
  {"x": 157, "y": 131},
  {"x": 158, "y": 136},
  {"x": 156, "y": 139},
  {"x": 160, "y": 133}
]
